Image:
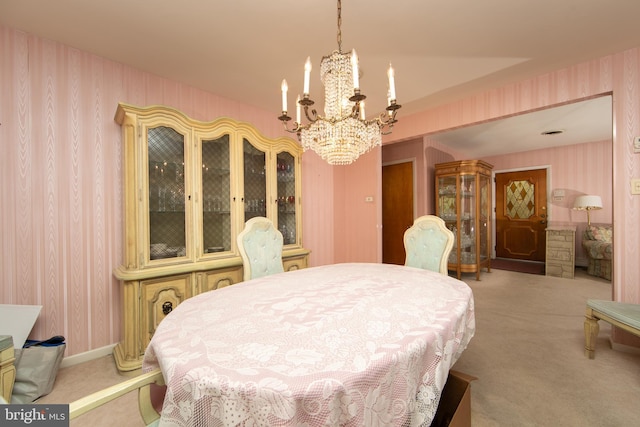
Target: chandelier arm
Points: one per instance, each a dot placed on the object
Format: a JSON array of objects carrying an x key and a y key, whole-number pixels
[
  {"x": 285, "y": 119},
  {"x": 313, "y": 117}
]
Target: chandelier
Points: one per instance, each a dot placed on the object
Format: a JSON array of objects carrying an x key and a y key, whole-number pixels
[{"x": 344, "y": 132}]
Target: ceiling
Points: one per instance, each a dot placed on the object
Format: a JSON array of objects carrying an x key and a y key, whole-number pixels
[
  {"x": 576, "y": 123},
  {"x": 242, "y": 49}
]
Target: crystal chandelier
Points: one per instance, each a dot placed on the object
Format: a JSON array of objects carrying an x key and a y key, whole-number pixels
[{"x": 343, "y": 133}]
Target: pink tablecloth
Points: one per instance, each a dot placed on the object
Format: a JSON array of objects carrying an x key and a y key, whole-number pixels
[{"x": 345, "y": 344}]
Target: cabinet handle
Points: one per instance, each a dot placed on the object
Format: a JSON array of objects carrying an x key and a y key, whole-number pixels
[{"x": 167, "y": 307}]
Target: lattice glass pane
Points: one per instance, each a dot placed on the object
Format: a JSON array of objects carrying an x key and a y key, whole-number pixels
[
  {"x": 166, "y": 193},
  {"x": 216, "y": 195},
  {"x": 286, "y": 197},
  {"x": 520, "y": 200},
  {"x": 255, "y": 184}
]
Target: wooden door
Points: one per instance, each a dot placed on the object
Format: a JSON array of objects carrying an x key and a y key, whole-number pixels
[
  {"x": 397, "y": 210},
  {"x": 521, "y": 214}
]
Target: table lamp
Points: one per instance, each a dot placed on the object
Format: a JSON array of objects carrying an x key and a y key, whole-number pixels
[{"x": 587, "y": 203}]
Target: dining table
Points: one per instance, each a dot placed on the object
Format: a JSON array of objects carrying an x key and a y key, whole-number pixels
[{"x": 352, "y": 344}]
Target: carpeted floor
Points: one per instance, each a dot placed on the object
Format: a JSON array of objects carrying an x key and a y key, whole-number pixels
[{"x": 527, "y": 355}]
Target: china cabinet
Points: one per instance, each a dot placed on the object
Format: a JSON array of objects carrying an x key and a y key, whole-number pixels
[
  {"x": 463, "y": 201},
  {"x": 189, "y": 187}
]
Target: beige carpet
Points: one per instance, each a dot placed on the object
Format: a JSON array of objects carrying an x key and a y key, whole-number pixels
[{"x": 527, "y": 354}]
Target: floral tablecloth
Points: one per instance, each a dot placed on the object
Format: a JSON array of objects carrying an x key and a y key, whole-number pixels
[{"x": 345, "y": 344}]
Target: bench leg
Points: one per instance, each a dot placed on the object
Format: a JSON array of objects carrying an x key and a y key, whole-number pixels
[{"x": 591, "y": 329}]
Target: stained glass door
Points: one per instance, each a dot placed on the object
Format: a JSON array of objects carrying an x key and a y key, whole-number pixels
[{"x": 521, "y": 215}]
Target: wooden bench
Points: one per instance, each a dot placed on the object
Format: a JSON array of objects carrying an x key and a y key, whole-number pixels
[
  {"x": 141, "y": 383},
  {"x": 621, "y": 315}
]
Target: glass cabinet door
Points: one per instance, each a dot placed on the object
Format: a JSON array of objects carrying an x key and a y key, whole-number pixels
[
  {"x": 255, "y": 181},
  {"x": 467, "y": 231},
  {"x": 216, "y": 195},
  {"x": 286, "y": 192},
  {"x": 447, "y": 208},
  {"x": 166, "y": 193},
  {"x": 484, "y": 188}
]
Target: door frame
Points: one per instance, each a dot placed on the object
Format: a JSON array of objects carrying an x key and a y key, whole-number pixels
[{"x": 493, "y": 198}]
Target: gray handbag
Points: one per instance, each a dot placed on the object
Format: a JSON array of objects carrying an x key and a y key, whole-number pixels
[{"x": 37, "y": 365}]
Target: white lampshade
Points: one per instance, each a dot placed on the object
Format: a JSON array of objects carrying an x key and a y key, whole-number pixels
[{"x": 587, "y": 202}]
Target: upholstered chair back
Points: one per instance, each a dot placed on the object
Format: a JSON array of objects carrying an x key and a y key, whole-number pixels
[
  {"x": 428, "y": 243},
  {"x": 260, "y": 245}
]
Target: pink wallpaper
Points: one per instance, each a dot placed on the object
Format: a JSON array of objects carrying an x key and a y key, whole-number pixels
[
  {"x": 61, "y": 216},
  {"x": 61, "y": 223},
  {"x": 576, "y": 169},
  {"x": 617, "y": 74}
]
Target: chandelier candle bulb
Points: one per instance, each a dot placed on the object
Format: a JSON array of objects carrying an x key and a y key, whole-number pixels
[
  {"x": 362, "y": 115},
  {"x": 298, "y": 109},
  {"x": 354, "y": 70},
  {"x": 307, "y": 72},
  {"x": 392, "y": 83},
  {"x": 284, "y": 88}
]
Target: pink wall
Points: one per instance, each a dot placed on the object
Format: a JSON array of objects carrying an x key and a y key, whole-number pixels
[
  {"x": 576, "y": 169},
  {"x": 353, "y": 216},
  {"x": 61, "y": 216},
  {"x": 426, "y": 154},
  {"x": 61, "y": 222},
  {"x": 618, "y": 74}
]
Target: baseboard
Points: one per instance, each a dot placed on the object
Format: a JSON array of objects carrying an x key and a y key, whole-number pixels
[
  {"x": 624, "y": 348},
  {"x": 87, "y": 356}
]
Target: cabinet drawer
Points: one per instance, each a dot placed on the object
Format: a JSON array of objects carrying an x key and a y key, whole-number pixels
[
  {"x": 159, "y": 297},
  {"x": 294, "y": 263},
  {"x": 218, "y": 279}
]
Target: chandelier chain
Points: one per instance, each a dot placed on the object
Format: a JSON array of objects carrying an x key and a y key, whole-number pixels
[{"x": 339, "y": 26}]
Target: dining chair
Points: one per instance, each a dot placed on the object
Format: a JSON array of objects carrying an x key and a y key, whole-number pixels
[
  {"x": 260, "y": 246},
  {"x": 428, "y": 243},
  {"x": 141, "y": 383}
]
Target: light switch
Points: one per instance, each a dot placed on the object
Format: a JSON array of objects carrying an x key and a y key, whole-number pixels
[{"x": 635, "y": 186}]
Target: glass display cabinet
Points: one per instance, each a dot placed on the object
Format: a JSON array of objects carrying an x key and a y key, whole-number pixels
[
  {"x": 463, "y": 201},
  {"x": 188, "y": 188}
]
